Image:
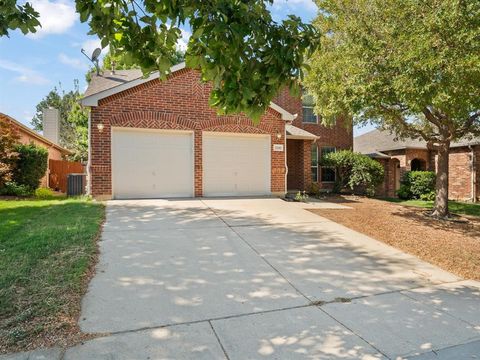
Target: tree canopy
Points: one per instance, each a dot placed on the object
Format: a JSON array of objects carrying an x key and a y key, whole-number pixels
[
  {"x": 14, "y": 16},
  {"x": 412, "y": 67},
  {"x": 235, "y": 44},
  {"x": 124, "y": 61}
]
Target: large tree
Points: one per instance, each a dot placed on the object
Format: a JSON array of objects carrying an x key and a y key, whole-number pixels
[
  {"x": 73, "y": 120},
  {"x": 409, "y": 66},
  {"x": 234, "y": 43}
]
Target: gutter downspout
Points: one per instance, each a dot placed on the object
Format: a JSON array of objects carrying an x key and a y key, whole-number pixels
[
  {"x": 473, "y": 175},
  {"x": 89, "y": 188}
]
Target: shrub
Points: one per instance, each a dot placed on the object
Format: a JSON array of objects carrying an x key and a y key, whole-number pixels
[
  {"x": 355, "y": 171},
  {"x": 13, "y": 189},
  {"x": 44, "y": 193},
  {"x": 428, "y": 196},
  {"x": 31, "y": 165},
  {"x": 417, "y": 184},
  {"x": 8, "y": 156},
  {"x": 315, "y": 189},
  {"x": 404, "y": 192},
  {"x": 301, "y": 196}
]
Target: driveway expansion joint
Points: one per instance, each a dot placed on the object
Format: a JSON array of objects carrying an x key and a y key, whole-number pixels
[
  {"x": 260, "y": 255},
  {"x": 355, "y": 333},
  {"x": 218, "y": 339}
]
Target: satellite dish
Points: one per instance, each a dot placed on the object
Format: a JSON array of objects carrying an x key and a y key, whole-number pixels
[
  {"x": 94, "y": 58},
  {"x": 96, "y": 54}
]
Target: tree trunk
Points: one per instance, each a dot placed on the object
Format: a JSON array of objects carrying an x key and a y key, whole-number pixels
[{"x": 440, "y": 208}]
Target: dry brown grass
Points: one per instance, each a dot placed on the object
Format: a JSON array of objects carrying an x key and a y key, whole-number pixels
[{"x": 451, "y": 245}]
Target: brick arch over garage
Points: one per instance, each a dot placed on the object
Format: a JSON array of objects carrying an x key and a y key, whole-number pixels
[
  {"x": 234, "y": 128},
  {"x": 237, "y": 124},
  {"x": 153, "y": 120}
]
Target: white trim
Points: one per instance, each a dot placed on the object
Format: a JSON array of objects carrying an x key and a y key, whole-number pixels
[
  {"x": 285, "y": 114},
  {"x": 300, "y": 137},
  {"x": 93, "y": 99}
]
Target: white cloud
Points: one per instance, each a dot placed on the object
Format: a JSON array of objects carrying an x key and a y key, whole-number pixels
[
  {"x": 76, "y": 63},
  {"x": 56, "y": 17},
  {"x": 25, "y": 74},
  {"x": 294, "y": 4},
  {"x": 183, "y": 41}
]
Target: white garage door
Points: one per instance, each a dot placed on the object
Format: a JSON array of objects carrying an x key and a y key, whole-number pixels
[
  {"x": 151, "y": 163},
  {"x": 235, "y": 164}
]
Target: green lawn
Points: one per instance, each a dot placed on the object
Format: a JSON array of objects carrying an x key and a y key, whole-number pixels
[
  {"x": 46, "y": 249},
  {"x": 456, "y": 207}
]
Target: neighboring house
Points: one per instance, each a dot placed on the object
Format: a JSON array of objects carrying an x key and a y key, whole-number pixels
[
  {"x": 27, "y": 136},
  {"x": 399, "y": 156},
  {"x": 152, "y": 138}
]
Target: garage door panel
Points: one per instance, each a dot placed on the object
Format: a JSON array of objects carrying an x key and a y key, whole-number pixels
[
  {"x": 236, "y": 164},
  {"x": 152, "y": 163}
]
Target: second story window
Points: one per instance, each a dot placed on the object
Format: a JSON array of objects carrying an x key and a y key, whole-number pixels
[{"x": 307, "y": 107}]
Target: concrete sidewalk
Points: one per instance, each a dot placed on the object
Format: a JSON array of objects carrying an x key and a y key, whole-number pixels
[{"x": 264, "y": 278}]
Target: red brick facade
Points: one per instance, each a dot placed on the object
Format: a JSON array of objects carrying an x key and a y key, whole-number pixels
[
  {"x": 339, "y": 136},
  {"x": 180, "y": 103},
  {"x": 461, "y": 181}
]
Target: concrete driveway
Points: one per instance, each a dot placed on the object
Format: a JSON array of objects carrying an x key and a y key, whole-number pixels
[{"x": 263, "y": 278}]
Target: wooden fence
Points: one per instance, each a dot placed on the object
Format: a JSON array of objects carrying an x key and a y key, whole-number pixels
[{"x": 58, "y": 171}]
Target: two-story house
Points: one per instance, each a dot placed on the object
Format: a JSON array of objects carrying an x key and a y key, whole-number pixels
[{"x": 152, "y": 138}]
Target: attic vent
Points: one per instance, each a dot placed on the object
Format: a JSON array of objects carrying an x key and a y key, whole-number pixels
[{"x": 51, "y": 124}]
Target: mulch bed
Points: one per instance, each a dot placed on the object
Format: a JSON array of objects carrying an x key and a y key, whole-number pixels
[{"x": 453, "y": 245}]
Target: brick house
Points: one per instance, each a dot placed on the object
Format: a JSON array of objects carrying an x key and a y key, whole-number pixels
[
  {"x": 399, "y": 156},
  {"x": 151, "y": 138},
  {"x": 27, "y": 136}
]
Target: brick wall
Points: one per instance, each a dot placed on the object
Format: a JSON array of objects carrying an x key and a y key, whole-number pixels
[
  {"x": 181, "y": 102},
  {"x": 460, "y": 172},
  {"x": 339, "y": 136},
  {"x": 298, "y": 164}
]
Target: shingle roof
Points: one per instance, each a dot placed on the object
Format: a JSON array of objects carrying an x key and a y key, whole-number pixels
[
  {"x": 382, "y": 140},
  {"x": 107, "y": 80},
  {"x": 294, "y": 132},
  {"x": 32, "y": 133}
]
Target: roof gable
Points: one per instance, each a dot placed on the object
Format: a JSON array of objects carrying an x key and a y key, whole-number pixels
[
  {"x": 378, "y": 141},
  {"x": 104, "y": 86},
  {"x": 32, "y": 133}
]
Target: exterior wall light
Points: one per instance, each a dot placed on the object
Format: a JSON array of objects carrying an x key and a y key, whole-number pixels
[
  {"x": 279, "y": 136},
  {"x": 100, "y": 127}
]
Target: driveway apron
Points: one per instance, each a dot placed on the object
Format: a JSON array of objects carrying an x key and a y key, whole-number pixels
[{"x": 264, "y": 278}]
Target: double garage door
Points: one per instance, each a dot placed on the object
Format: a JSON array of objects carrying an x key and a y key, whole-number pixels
[{"x": 160, "y": 163}]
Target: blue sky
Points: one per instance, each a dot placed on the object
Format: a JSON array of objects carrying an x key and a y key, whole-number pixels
[{"x": 30, "y": 66}]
